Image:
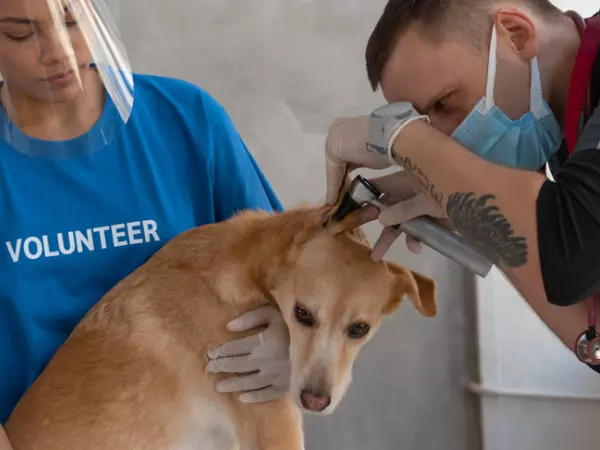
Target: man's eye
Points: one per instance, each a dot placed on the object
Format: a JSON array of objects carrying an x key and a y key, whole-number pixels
[{"x": 440, "y": 105}]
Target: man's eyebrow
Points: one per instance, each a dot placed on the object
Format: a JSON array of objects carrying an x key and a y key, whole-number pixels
[{"x": 25, "y": 20}]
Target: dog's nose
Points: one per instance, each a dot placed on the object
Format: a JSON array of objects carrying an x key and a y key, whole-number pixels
[{"x": 312, "y": 402}]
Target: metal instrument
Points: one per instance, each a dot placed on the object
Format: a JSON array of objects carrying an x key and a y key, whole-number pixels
[
  {"x": 425, "y": 229},
  {"x": 587, "y": 346}
]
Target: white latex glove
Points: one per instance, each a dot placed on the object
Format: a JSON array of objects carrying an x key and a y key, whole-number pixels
[
  {"x": 404, "y": 201},
  {"x": 345, "y": 148},
  {"x": 364, "y": 141},
  {"x": 266, "y": 353}
]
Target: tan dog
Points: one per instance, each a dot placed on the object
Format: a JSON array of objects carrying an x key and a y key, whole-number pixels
[{"x": 132, "y": 373}]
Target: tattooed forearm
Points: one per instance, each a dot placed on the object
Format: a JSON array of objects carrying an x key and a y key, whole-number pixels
[
  {"x": 477, "y": 221},
  {"x": 421, "y": 178},
  {"x": 485, "y": 225}
]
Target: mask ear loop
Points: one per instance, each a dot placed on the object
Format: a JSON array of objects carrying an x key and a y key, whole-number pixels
[
  {"x": 536, "y": 99},
  {"x": 491, "y": 74}
]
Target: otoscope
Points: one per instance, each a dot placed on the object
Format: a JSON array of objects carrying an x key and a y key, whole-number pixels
[{"x": 429, "y": 232}]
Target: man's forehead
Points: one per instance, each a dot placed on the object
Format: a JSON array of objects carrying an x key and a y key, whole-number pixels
[{"x": 420, "y": 71}]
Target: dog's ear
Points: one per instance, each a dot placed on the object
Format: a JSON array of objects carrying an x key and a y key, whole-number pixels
[
  {"x": 353, "y": 220},
  {"x": 359, "y": 235},
  {"x": 418, "y": 288}
]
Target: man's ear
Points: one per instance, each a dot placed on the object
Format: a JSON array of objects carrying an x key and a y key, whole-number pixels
[
  {"x": 419, "y": 289},
  {"x": 515, "y": 25}
]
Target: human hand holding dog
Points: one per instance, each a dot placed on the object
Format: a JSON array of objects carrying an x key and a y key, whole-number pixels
[{"x": 261, "y": 361}]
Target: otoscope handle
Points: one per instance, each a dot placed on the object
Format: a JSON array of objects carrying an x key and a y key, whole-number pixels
[
  {"x": 425, "y": 229},
  {"x": 449, "y": 244}
]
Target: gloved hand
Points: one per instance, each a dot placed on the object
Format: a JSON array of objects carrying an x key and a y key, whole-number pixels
[
  {"x": 266, "y": 353},
  {"x": 345, "y": 150},
  {"x": 363, "y": 141},
  {"x": 386, "y": 123},
  {"x": 366, "y": 142},
  {"x": 404, "y": 201}
]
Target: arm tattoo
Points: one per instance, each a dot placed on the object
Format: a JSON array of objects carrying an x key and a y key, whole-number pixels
[
  {"x": 486, "y": 226},
  {"x": 478, "y": 222},
  {"x": 421, "y": 178}
]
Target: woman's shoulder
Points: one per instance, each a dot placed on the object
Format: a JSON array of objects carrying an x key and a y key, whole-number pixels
[{"x": 176, "y": 95}]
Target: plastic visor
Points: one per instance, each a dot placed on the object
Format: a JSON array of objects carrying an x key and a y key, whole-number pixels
[{"x": 67, "y": 85}]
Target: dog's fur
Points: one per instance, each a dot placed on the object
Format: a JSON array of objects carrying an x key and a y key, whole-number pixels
[{"x": 132, "y": 373}]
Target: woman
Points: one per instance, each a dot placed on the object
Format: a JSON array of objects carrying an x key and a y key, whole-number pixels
[{"x": 87, "y": 198}]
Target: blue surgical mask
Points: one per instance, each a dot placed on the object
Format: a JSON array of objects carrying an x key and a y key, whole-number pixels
[{"x": 526, "y": 143}]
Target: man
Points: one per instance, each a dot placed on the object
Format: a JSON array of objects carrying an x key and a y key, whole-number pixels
[{"x": 496, "y": 86}]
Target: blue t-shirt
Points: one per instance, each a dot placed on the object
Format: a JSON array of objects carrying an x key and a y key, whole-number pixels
[{"x": 78, "y": 216}]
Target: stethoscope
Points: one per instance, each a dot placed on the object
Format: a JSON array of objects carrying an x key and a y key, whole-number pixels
[{"x": 587, "y": 345}]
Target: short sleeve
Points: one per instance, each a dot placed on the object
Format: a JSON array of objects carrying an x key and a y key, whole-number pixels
[
  {"x": 239, "y": 183},
  {"x": 568, "y": 223}
]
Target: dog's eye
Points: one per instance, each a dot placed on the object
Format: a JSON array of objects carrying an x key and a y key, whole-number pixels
[
  {"x": 358, "y": 330},
  {"x": 304, "y": 316}
]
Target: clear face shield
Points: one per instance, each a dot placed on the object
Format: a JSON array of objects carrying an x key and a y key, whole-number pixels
[{"x": 66, "y": 79}]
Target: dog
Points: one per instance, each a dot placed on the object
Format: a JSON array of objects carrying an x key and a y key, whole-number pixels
[{"x": 132, "y": 375}]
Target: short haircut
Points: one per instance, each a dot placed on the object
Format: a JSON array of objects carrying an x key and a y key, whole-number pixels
[{"x": 434, "y": 17}]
